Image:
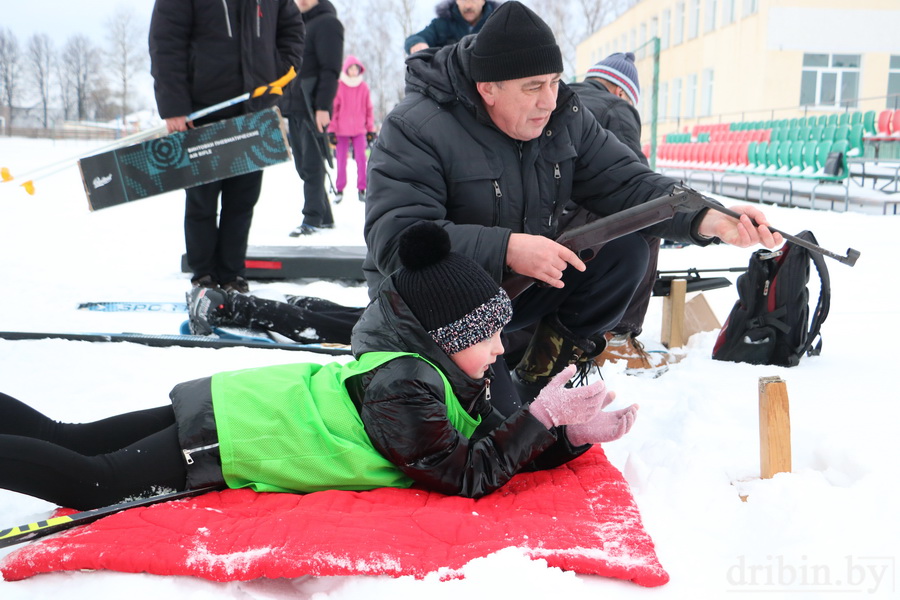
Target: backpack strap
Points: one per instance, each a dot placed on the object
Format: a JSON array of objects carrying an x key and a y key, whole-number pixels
[{"x": 822, "y": 307}]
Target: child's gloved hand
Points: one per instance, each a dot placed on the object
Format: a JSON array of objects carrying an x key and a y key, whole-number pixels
[
  {"x": 604, "y": 427},
  {"x": 559, "y": 405}
]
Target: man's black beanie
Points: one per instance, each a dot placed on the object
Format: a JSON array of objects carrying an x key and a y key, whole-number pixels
[{"x": 514, "y": 43}]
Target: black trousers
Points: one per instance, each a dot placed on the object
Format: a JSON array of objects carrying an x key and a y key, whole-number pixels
[
  {"x": 217, "y": 244},
  {"x": 88, "y": 465},
  {"x": 310, "y": 166}
]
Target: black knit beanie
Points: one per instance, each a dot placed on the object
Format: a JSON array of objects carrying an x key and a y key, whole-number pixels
[
  {"x": 451, "y": 295},
  {"x": 514, "y": 43}
]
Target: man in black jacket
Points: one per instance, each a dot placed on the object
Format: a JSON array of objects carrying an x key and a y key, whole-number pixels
[
  {"x": 490, "y": 144},
  {"x": 611, "y": 91},
  {"x": 309, "y": 108},
  {"x": 203, "y": 52}
]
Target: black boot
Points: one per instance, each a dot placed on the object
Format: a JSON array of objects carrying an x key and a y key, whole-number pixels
[{"x": 552, "y": 348}]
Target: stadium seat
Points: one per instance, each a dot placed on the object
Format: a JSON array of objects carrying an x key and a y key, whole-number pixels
[
  {"x": 884, "y": 123},
  {"x": 796, "y": 156},
  {"x": 868, "y": 122},
  {"x": 895, "y": 123}
]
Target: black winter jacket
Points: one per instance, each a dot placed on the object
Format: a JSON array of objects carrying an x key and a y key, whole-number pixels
[
  {"x": 323, "y": 56},
  {"x": 439, "y": 157},
  {"x": 613, "y": 113},
  {"x": 206, "y": 51},
  {"x": 403, "y": 409}
]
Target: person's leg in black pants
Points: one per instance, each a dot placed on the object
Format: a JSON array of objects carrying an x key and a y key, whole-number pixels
[
  {"x": 87, "y": 465},
  {"x": 239, "y": 197},
  {"x": 592, "y": 301},
  {"x": 201, "y": 229},
  {"x": 304, "y": 319},
  {"x": 310, "y": 165}
]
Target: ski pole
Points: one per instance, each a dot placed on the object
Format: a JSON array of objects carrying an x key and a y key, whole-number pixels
[
  {"x": 276, "y": 87},
  {"x": 32, "y": 531}
]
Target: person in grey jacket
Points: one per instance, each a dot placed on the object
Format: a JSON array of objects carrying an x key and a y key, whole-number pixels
[{"x": 491, "y": 145}]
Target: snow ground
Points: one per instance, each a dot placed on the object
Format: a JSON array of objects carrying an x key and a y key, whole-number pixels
[{"x": 828, "y": 527}]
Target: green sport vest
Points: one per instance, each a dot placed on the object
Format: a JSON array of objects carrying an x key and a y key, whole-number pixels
[{"x": 294, "y": 428}]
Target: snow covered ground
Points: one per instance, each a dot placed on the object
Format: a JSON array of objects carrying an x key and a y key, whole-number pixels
[{"x": 829, "y": 527}]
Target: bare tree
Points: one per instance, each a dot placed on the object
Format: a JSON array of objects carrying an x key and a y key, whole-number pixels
[
  {"x": 81, "y": 66},
  {"x": 40, "y": 60},
  {"x": 10, "y": 71},
  {"x": 126, "y": 54}
]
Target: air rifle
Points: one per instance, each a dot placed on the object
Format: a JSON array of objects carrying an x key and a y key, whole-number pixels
[
  {"x": 585, "y": 240},
  {"x": 695, "y": 281}
]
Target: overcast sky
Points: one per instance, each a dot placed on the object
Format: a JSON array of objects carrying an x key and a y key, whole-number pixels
[{"x": 61, "y": 19}]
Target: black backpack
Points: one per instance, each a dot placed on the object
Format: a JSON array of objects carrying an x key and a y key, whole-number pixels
[{"x": 769, "y": 324}]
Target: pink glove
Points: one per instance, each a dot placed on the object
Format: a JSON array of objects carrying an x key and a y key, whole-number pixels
[
  {"x": 559, "y": 405},
  {"x": 604, "y": 427}
]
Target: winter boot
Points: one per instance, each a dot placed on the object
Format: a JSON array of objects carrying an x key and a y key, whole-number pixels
[
  {"x": 206, "y": 308},
  {"x": 552, "y": 348},
  {"x": 625, "y": 347}
]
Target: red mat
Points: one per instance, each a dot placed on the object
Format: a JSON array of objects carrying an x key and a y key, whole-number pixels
[{"x": 580, "y": 517}]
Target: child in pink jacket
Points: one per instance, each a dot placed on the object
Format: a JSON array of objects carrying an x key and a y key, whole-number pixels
[{"x": 352, "y": 122}]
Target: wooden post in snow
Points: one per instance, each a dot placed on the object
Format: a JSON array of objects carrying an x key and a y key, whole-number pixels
[{"x": 774, "y": 427}]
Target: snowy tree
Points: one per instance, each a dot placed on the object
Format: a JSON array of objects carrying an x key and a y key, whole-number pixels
[
  {"x": 80, "y": 64},
  {"x": 40, "y": 59},
  {"x": 10, "y": 71},
  {"x": 126, "y": 54}
]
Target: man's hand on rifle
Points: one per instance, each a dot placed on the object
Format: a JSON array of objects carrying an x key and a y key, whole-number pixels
[
  {"x": 322, "y": 120},
  {"x": 740, "y": 233},
  {"x": 540, "y": 258}
]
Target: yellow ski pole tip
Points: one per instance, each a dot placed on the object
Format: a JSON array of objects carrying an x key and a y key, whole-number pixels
[
  {"x": 5, "y": 174},
  {"x": 29, "y": 187}
]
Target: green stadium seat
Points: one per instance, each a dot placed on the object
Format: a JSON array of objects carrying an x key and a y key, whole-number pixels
[
  {"x": 784, "y": 155},
  {"x": 828, "y": 133},
  {"x": 869, "y": 123},
  {"x": 822, "y": 151},
  {"x": 796, "y": 157},
  {"x": 815, "y": 133},
  {"x": 855, "y": 137},
  {"x": 856, "y": 117},
  {"x": 810, "y": 149},
  {"x": 832, "y": 120},
  {"x": 822, "y": 120}
]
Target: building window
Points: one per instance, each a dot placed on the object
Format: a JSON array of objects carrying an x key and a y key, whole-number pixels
[
  {"x": 710, "y": 21},
  {"x": 694, "y": 19},
  {"x": 664, "y": 29},
  {"x": 690, "y": 96},
  {"x": 727, "y": 12},
  {"x": 706, "y": 93},
  {"x": 751, "y": 7},
  {"x": 678, "y": 24},
  {"x": 830, "y": 80},
  {"x": 893, "y": 100},
  {"x": 676, "y": 98}
]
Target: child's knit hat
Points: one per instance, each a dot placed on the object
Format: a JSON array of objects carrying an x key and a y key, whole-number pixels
[{"x": 451, "y": 295}]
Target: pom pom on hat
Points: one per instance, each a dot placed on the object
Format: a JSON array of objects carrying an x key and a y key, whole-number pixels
[
  {"x": 619, "y": 69},
  {"x": 451, "y": 295}
]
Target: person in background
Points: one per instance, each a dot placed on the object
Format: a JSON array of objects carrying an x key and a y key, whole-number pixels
[
  {"x": 413, "y": 408},
  {"x": 455, "y": 19},
  {"x": 309, "y": 109},
  {"x": 201, "y": 53},
  {"x": 611, "y": 91},
  {"x": 352, "y": 124}
]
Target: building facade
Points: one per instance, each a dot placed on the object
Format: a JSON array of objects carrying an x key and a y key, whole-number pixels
[{"x": 740, "y": 60}]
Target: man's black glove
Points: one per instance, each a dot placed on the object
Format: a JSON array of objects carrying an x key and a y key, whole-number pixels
[
  {"x": 370, "y": 138},
  {"x": 332, "y": 138}
]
